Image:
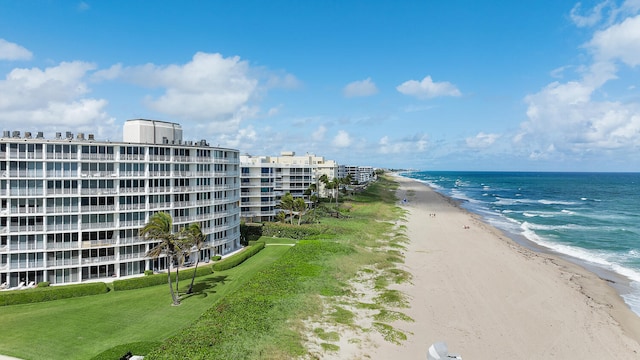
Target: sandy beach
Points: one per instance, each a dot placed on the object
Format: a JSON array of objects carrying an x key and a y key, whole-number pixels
[{"x": 489, "y": 298}]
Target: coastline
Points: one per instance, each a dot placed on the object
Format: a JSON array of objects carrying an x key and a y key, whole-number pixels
[{"x": 487, "y": 296}]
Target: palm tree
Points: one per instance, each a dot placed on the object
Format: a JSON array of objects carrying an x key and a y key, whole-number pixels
[
  {"x": 160, "y": 228},
  {"x": 286, "y": 204},
  {"x": 335, "y": 185},
  {"x": 299, "y": 206},
  {"x": 347, "y": 180},
  {"x": 193, "y": 237},
  {"x": 325, "y": 180}
]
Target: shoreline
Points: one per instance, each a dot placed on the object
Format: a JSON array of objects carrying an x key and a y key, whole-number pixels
[
  {"x": 619, "y": 282},
  {"x": 488, "y": 296}
]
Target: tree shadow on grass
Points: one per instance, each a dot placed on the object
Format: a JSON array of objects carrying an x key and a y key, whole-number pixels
[{"x": 206, "y": 287}]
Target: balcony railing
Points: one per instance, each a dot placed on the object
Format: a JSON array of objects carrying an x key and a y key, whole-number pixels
[
  {"x": 97, "y": 243},
  {"x": 140, "y": 206},
  {"x": 103, "y": 225},
  {"x": 99, "y": 259},
  {"x": 132, "y": 240},
  {"x": 26, "y": 264},
  {"x": 166, "y": 158},
  {"x": 106, "y": 191},
  {"x": 62, "y": 245},
  {"x": 61, "y": 209},
  {"x": 93, "y": 208},
  {"x": 27, "y": 210},
  {"x": 62, "y": 191},
  {"x": 62, "y": 227},
  {"x": 25, "y": 155},
  {"x": 26, "y": 173},
  {"x": 61, "y": 173},
  {"x": 62, "y": 156},
  {"x": 140, "y": 255},
  {"x": 131, "y": 156},
  {"x": 27, "y": 192},
  {"x": 63, "y": 262},
  {"x": 84, "y": 156},
  {"x": 132, "y": 223}
]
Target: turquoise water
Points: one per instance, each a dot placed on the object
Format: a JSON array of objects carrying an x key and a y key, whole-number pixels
[{"x": 591, "y": 217}]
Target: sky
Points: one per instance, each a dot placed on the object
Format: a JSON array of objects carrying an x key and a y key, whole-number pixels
[{"x": 531, "y": 85}]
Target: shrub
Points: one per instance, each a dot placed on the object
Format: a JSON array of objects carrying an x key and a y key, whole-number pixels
[
  {"x": 216, "y": 258},
  {"x": 249, "y": 232},
  {"x": 48, "y": 293},
  {"x": 43, "y": 284},
  {"x": 148, "y": 272},
  {"x": 237, "y": 259},
  {"x": 158, "y": 279}
]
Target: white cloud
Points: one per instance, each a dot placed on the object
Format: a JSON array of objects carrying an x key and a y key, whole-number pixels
[
  {"x": 210, "y": 88},
  {"x": 318, "y": 134},
  {"x": 427, "y": 88},
  {"x": 12, "y": 51},
  {"x": 407, "y": 145},
  {"x": 51, "y": 99},
  {"x": 274, "y": 110},
  {"x": 359, "y": 88},
  {"x": 568, "y": 118},
  {"x": 342, "y": 139},
  {"x": 591, "y": 18},
  {"x": 238, "y": 139},
  {"x": 481, "y": 140},
  {"x": 618, "y": 42}
]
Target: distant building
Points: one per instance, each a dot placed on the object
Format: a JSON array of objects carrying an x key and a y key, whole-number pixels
[
  {"x": 71, "y": 207},
  {"x": 265, "y": 179},
  {"x": 359, "y": 174}
]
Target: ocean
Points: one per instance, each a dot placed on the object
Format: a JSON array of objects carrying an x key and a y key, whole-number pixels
[{"x": 590, "y": 218}]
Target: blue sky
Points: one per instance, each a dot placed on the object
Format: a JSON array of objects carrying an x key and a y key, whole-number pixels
[{"x": 541, "y": 85}]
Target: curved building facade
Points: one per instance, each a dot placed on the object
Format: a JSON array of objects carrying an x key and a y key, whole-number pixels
[{"x": 71, "y": 207}]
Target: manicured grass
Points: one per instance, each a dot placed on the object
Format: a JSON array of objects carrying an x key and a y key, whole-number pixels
[{"x": 81, "y": 328}]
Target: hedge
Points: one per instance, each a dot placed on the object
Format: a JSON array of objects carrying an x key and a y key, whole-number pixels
[
  {"x": 159, "y": 279},
  {"x": 237, "y": 259},
  {"x": 49, "y": 293}
]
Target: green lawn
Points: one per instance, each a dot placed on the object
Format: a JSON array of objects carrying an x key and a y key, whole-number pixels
[{"x": 81, "y": 328}]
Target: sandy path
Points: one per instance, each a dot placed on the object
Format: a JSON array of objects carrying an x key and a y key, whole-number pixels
[{"x": 489, "y": 298}]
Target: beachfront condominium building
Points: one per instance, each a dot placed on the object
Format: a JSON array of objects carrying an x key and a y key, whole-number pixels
[
  {"x": 265, "y": 179},
  {"x": 359, "y": 174},
  {"x": 257, "y": 189},
  {"x": 72, "y": 207}
]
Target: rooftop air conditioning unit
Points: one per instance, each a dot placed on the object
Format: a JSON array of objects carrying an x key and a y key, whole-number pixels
[
  {"x": 91, "y": 137},
  {"x": 27, "y": 134},
  {"x": 69, "y": 135},
  {"x": 80, "y": 136},
  {"x": 40, "y": 135},
  {"x": 6, "y": 133},
  {"x": 58, "y": 135},
  {"x": 16, "y": 134}
]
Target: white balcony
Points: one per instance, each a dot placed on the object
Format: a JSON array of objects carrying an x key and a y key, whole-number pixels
[{"x": 99, "y": 259}]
